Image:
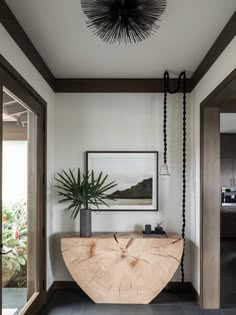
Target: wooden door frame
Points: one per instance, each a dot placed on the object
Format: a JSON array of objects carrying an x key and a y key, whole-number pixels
[
  {"x": 221, "y": 100},
  {"x": 16, "y": 84}
]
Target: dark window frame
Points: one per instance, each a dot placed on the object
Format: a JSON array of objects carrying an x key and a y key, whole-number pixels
[{"x": 16, "y": 84}]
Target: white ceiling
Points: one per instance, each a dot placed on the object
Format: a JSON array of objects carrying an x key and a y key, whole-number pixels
[{"x": 57, "y": 29}]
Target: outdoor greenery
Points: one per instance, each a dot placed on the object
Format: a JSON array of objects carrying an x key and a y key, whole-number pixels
[
  {"x": 14, "y": 238},
  {"x": 82, "y": 191}
]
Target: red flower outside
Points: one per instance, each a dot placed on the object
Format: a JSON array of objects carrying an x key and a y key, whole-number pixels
[
  {"x": 5, "y": 218},
  {"x": 17, "y": 234}
]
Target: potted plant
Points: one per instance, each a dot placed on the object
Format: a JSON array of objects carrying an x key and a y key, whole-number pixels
[{"x": 82, "y": 193}]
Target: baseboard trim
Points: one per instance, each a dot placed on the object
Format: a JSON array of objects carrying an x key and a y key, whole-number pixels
[
  {"x": 181, "y": 288},
  {"x": 61, "y": 285},
  {"x": 172, "y": 287}
]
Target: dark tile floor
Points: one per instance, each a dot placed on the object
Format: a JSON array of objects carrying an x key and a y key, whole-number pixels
[
  {"x": 228, "y": 273},
  {"x": 75, "y": 302}
]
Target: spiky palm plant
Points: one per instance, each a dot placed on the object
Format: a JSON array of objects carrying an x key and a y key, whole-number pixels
[{"x": 82, "y": 191}]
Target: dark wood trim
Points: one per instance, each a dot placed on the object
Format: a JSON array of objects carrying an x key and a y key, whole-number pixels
[
  {"x": 79, "y": 85},
  {"x": 200, "y": 301},
  {"x": 98, "y": 85},
  {"x": 16, "y": 31},
  {"x": 114, "y": 85},
  {"x": 216, "y": 50},
  {"x": 223, "y": 94},
  {"x": 42, "y": 201},
  {"x": 11, "y": 80},
  {"x": 217, "y": 101},
  {"x": 76, "y": 85},
  {"x": 34, "y": 304},
  {"x": 7, "y": 67},
  {"x": 210, "y": 211}
]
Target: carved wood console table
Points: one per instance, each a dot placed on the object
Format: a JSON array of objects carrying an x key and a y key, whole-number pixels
[{"x": 122, "y": 267}]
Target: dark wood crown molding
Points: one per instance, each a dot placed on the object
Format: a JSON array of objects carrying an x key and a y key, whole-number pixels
[
  {"x": 216, "y": 50},
  {"x": 114, "y": 85},
  {"x": 77, "y": 85},
  {"x": 224, "y": 95},
  {"x": 16, "y": 31},
  {"x": 4, "y": 64}
]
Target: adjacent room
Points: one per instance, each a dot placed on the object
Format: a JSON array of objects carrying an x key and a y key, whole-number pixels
[
  {"x": 118, "y": 159},
  {"x": 227, "y": 215}
]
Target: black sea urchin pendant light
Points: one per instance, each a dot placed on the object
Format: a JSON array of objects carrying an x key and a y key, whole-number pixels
[{"x": 123, "y": 20}]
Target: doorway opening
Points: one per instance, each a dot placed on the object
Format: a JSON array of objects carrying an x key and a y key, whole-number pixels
[
  {"x": 15, "y": 145},
  {"x": 222, "y": 100},
  {"x": 22, "y": 194},
  {"x": 228, "y": 209}
]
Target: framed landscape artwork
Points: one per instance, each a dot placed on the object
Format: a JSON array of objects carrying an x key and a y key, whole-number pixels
[{"x": 136, "y": 175}]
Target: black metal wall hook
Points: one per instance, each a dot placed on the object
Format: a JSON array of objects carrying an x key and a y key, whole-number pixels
[{"x": 182, "y": 75}]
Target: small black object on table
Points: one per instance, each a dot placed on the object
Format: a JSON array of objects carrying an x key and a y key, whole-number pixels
[{"x": 157, "y": 232}]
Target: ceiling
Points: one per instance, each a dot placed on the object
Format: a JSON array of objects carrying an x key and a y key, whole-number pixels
[
  {"x": 57, "y": 28},
  {"x": 13, "y": 112}
]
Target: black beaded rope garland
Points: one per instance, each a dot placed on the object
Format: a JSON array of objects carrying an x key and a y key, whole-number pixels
[
  {"x": 123, "y": 20},
  {"x": 165, "y": 118},
  {"x": 184, "y": 174},
  {"x": 168, "y": 90}
]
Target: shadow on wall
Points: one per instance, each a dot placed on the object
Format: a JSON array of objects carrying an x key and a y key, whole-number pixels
[
  {"x": 63, "y": 223},
  {"x": 193, "y": 263},
  {"x": 59, "y": 270}
]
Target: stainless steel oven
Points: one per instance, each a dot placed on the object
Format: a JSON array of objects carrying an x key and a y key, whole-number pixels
[{"x": 228, "y": 196}]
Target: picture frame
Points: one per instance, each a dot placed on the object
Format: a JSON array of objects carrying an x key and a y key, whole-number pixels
[{"x": 136, "y": 175}]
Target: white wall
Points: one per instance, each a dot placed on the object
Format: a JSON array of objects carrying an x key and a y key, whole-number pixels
[
  {"x": 120, "y": 122},
  {"x": 104, "y": 122},
  {"x": 228, "y": 123},
  {"x": 14, "y": 55},
  {"x": 222, "y": 67}
]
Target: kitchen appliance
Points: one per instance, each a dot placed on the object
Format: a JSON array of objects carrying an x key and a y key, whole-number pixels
[{"x": 228, "y": 196}]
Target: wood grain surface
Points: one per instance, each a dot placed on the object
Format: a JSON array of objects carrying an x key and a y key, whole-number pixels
[{"x": 122, "y": 267}]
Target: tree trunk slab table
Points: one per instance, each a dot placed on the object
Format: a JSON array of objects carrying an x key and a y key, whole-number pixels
[{"x": 122, "y": 267}]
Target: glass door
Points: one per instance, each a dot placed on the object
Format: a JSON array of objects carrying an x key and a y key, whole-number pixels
[{"x": 22, "y": 232}]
